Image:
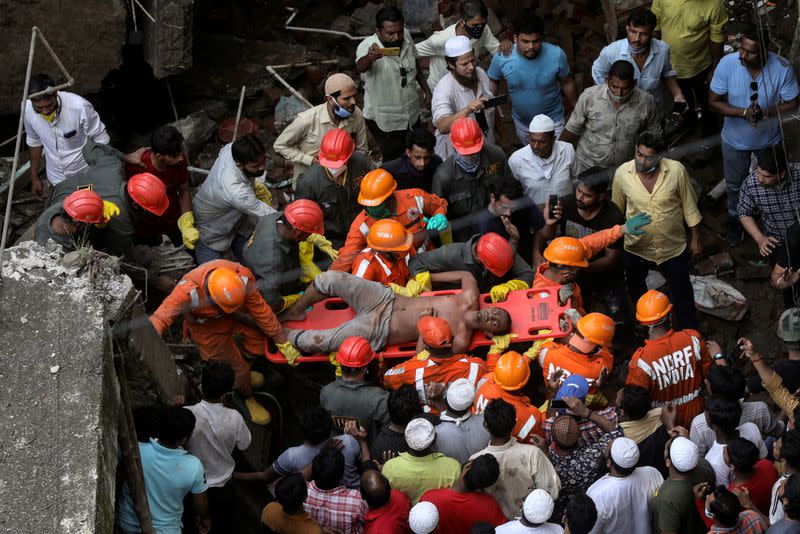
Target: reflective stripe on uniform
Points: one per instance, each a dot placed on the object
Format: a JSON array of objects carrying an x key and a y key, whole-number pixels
[
  {"x": 387, "y": 271},
  {"x": 420, "y": 203},
  {"x": 527, "y": 427},
  {"x": 696, "y": 348},
  {"x": 364, "y": 229},
  {"x": 473, "y": 373},
  {"x": 362, "y": 268},
  {"x": 644, "y": 366},
  {"x": 689, "y": 397}
]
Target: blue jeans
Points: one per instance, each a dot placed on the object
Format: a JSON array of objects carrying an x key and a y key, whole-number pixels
[
  {"x": 204, "y": 254},
  {"x": 736, "y": 166}
]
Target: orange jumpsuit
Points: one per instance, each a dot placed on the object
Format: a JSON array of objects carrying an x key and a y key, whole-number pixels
[
  {"x": 592, "y": 243},
  {"x": 554, "y": 356},
  {"x": 212, "y": 331},
  {"x": 442, "y": 370},
  {"x": 412, "y": 206},
  {"x": 372, "y": 265},
  {"x": 529, "y": 418},
  {"x": 672, "y": 368}
]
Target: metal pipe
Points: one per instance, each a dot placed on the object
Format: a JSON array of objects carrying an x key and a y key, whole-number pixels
[
  {"x": 238, "y": 114},
  {"x": 149, "y": 16},
  {"x": 172, "y": 100},
  {"x": 295, "y": 11},
  {"x": 289, "y": 87},
  {"x": 306, "y": 64},
  {"x": 198, "y": 170}
]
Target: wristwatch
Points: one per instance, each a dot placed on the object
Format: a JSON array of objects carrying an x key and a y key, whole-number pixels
[{"x": 718, "y": 356}]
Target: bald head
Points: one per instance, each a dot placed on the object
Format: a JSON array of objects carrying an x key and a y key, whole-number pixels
[
  {"x": 338, "y": 82},
  {"x": 375, "y": 488}
]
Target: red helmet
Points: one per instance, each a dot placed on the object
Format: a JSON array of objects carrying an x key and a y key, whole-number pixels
[
  {"x": 336, "y": 148},
  {"x": 355, "y": 352},
  {"x": 149, "y": 192},
  {"x": 466, "y": 136},
  {"x": 305, "y": 215},
  {"x": 85, "y": 206},
  {"x": 495, "y": 253}
]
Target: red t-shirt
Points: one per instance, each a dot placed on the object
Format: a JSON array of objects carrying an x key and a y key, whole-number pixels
[
  {"x": 391, "y": 518},
  {"x": 760, "y": 485},
  {"x": 459, "y": 511},
  {"x": 148, "y": 225}
]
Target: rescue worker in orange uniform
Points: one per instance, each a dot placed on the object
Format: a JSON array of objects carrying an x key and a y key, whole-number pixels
[
  {"x": 435, "y": 364},
  {"x": 382, "y": 200},
  {"x": 510, "y": 375},
  {"x": 583, "y": 353},
  {"x": 671, "y": 365},
  {"x": 566, "y": 256},
  {"x": 211, "y": 297},
  {"x": 386, "y": 259}
]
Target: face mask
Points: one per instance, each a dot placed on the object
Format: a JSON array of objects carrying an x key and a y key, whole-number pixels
[
  {"x": 378, "y": 212},
  {"x": 634, "y": 50},
  {"x": 340, "y": 112},
  {"x": 336, "y": 172},
  {"x": 475, "y": 31},
  {"x": 647, "y": 166},
  {"x": 51, "y": 116},
  {"x": 252, "y": 174},
  {"x": 468, "y": 163},
  {"x": 619, "y": 99}
]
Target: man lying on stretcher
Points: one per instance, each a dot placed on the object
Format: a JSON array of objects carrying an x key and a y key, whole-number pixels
[{"x": 384, "y": 318}]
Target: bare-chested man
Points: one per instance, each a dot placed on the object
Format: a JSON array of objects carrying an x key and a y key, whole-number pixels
[{"x": 384, "y": 318}]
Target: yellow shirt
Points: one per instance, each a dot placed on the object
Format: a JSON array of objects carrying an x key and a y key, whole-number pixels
[
  {"x": 672, "y": 202},
  {"x": 687, "y": 26}
]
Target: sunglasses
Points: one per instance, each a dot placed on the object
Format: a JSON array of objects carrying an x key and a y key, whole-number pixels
[
  {"x": 754, "y": 88},
  {"x": 403, "y": 77}
]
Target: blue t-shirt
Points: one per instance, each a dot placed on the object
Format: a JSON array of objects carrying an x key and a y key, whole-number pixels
[
  {"x": 533, "y": 83},
  {"x": 775, "y": 82},
  {"x": 169, "y": 474},
  {"x": 294, "y": 459}
]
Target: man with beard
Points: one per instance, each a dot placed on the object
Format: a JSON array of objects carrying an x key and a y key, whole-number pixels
[
  {"x": 649, "y": 57},
  {"x": 226, "y": 205},
  {"x": 392, "y": 77},
  {"x": 462, "y": 92},
  {"x": 660, "y": 186},
  {"x": 608, "y": 118},
  {"x": 535, "y": 72},
  {"x": 69, "y": 222},
  {"x": 416, "y": 167},
  {"x": 750, "y": 90}
]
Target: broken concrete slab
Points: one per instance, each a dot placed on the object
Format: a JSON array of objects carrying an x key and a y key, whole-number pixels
[{"x": 196, "y": 129}]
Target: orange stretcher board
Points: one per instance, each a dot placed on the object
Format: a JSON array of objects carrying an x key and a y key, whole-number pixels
[{"x": 531, "y": 310}]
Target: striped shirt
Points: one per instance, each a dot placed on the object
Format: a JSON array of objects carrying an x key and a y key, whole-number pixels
[
  {"x": 776, "y": 205},
  {"x": 340, "y": 509},
  {"x": 756, "y": 412}
]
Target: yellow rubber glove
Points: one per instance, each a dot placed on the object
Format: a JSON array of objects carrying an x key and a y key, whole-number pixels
[
  {"x": 307, "y": 265},
  {"x": 289, "y": 352},
  {"x": 501, "y": 343},
  {"x": 499, "y": 293},
  {"x": 424, "y": 355},
  {"x": 335, "y": 363},
  {"x": 424, "y": 279},
  {"x": 324, "y": 245},
  {"x": 189, "y": 233},
  {"x": 109, "y": 210},
  {"x": 412, "y": 289},
  {"x": 289, "y": 300},
  {"x": 263, "y": 193},
  {"x": 533, "y": 352}
]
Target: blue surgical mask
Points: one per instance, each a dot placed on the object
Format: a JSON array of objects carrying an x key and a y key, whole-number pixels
[
  {"x": 341, "y": 112},
  {"x": 634, "y": 50}
]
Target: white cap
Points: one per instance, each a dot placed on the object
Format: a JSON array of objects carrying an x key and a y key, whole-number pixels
[
  {"x": 419, "y": 434},
  {"x": 538, "y": 506},
  {"x": 460, "y": 394},
  {"x": 624, "y": 452},
  {"x": 683, "y": 454},
  {"x": 423, "y": 518},
  {"x": 457, "y": 46},
  {"x": 541, "y": 124}
]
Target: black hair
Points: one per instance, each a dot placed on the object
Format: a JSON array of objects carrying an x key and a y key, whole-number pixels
[
  {"x": 291, "y": 493},
  {"x": 621, "y": 70},
  {"x": 529, "y": 23},
  {"x": 247, "y": 149},
  {"x": 327, "y": 468},
  {"x": 772, "y": 159},
  {"x": 217, "y": 379},
  {"x": 723, "y": 413},
  {"x": 791, "y": 492},
  {"x": 507, "y": 186},
  {"x": 725, "y": 507},
  {"x": 726, "y": 382},
  {"x": 147, "y": 422},
  {"x": 790, "y": 448},
  {"x": 581, "y": 514},
  {"x": 500, "y": 418},
  {"x": 484, "y": 471},
  {"x": 651, "y": 139},
  {"x": 482, "y": 527},
  {"x": 472, "y": 8},
  {"x": 387, "y": 14},
  {"x": 40, "y": 82},
  {"x": 315, "y": 425},
  {"x": 742, "y": 454},
  {"x": 595, "y": 179},
  {"x": 403, "y": 405},
  {"x": 377, "y": 496},
  {"x": 421, "y": 137},
  {"x": 643, "y": 17},
  {"x": 624, "y": 471},
  {"x": 750, "y": 31},
  {"x": 176, "y": 424},
  {"x": 166, "y": 140},
  {"x": 351, "y": 371},
  {"x": 635, "y": 402}
]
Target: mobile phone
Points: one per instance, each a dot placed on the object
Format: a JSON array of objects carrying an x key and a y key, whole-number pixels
[
  {"x": 558, "y": 404},
  {"x": 680, "y": 107},
  {"x": 393, "y": 51},
  {"x": 496, "y": 101},
  {"x": 552, "y": 203}
]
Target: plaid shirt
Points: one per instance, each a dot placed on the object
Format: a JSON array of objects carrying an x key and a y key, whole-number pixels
[
  {"x": 749, "y": 523},
  {"x": 590, "y": 432},
  {"x": 341, "y": 509},
  {"x": 775, "y": 204}
]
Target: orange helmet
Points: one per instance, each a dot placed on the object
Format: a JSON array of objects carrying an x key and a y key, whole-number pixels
[
  {"x": 466, "y": 136},
  {"x": 566, "y": 251},
  {"x": 376, "y": 187},
  {"x": 652, "y": 307},
  {"x": 390, "y": 236},
  {"x": 149, "y": 192},
  {"x": 305, "y": 215},
  {"x": 85, "y": 206},
  {"x": 597, "y": 328},
  {"x": 336, "y": 148},
  {"x": 226, "y": 289},
  {"x": 355, "y": 352},
  {"x": 495, "y": 253},
  {"x": 512, "y": 371}
]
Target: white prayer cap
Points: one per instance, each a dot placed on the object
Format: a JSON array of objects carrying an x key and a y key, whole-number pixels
[
  {"x": 538, "y": 506},
  {"x": 419, "y": 434},
  {"x": 423, "y": 518},
  {"x": 624, "y": 452},
  {"x": 460, "y": 394},
  {"x": 457, "y": 46},
  {"x": 683, "y": 454},
  {"x": 542, "y": 124}
]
